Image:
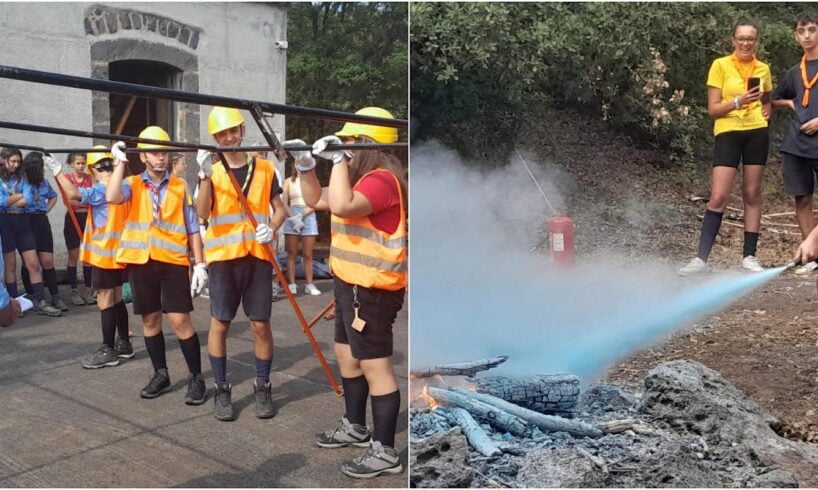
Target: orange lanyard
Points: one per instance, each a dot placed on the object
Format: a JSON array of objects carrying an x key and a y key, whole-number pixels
[{"x": 807, "y": 83}]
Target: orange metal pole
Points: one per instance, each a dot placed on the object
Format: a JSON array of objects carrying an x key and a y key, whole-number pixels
[
  {"x": 319, "y": 315},
  {"x": 70, "y": 209}
]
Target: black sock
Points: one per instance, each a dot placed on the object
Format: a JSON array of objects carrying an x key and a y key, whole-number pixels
[
  {"x": 50, "y": 278},
  {"x": 86, "y": 276},
  {"x": 192, "y": 351},
  {"x": 356, "y": 391},
  {"x": 750, "y": 243},
  {"x": 219, "y": 365},
  {"x": 72, "y": 277},
  {"x": 11, "y": 287},
  {"x": 108, "y": 319},
  {"x": 26, "y": 277},
  {"x": 38, "y": 291},
  {"x": 385, "y": 410},
  {"x": 122, "y": 320},
  {"x": 710, "y": 228},
  {"x": 263, "y": 371},
  {"x": 156, "y": 351}
]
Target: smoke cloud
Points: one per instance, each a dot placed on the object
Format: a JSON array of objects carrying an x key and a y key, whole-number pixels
[{"x": 477, "y": 290}]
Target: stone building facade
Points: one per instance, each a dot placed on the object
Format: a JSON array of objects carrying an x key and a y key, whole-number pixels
[{"x": 228, "y": 49}]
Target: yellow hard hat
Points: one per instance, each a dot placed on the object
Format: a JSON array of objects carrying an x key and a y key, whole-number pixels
[
  {"x": 222, "y": 118},
  {"x": 92, "y": 159},
  {"x": 381, "y": 134},
  {"x": 153, "y": 133}
]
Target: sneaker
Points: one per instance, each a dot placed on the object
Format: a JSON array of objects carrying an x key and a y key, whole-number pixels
[
  {"x": 90, "y": 297},
  {"x": 43, "y": 308},
  {"x": 344, "y": 434},
  {"x": 123, "y": 348},
  {"x": 205, "y": 293},
  {"x": 160, "y": 381},
  {"x": 76, "y": 298},
  {"x": 312, "y": 290},
  {"x": 293, "y": 288},
  {"x": 277, "y": 292},
  {"x": 104, "y": 356},
  {"x": 196, "y": 390},
  {"x": 264, "y": 401},
  {"x": 376, "y": 460},
  {"x": 806, "y": 268},
  {"x": 750, "y": 264},
  {"x": 695, "y": 266},
  {"x": 58, "y": 303},
  {"x": 222, "y": 404}
]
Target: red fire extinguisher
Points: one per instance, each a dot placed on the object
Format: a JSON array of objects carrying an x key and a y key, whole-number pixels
[{"x": 561, "y": 238}]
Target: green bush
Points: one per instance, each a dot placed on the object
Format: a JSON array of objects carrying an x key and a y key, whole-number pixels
[{"x": 479, "y": 68}]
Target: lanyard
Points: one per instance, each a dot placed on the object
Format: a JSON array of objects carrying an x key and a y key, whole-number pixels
[
  {"x": 807, "y": 83},
  {"x": 740, "y": 68}
]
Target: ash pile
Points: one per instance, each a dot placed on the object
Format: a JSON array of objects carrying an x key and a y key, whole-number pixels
[{"x": 688, "y": 428}]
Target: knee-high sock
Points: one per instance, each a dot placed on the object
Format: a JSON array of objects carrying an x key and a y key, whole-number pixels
[
  {"x": 263, "y": 371},
  {"x": 26, "y": 277},
  {"x": 219, "y": 365},
  {"x": 122, "y": 320},
  {"x": 50, "y": 278},
  {"x": 108, "y": 320},
  {"x": 192, "y": 350},
  {"x": 72, "y": 276},
  {"x": 38, "y": 291},
  {"x": 356, "y": 391},
  {"x": 750, "y": 243},
  {"x": 156, "y": 351},
  {"x": 11, "y": 287},
  {"x": 86, "y": 276},
  {"x": 385, "y": 410},
  {"x": 710, "y": 228}
]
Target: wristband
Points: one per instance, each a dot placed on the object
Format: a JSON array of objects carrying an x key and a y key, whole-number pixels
[{"x": 735, "y": 102}]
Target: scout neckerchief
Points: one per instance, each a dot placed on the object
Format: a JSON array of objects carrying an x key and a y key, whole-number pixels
[
  {"x": 251, "y": 164},
  {"x": 154, "y": 188},
  {"x": 807, "y": 83},
  {"x": 740, "y": 68}
]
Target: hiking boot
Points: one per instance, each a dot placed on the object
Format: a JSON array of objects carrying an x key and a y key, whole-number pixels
[
  {"x": 196, "y": 390},
  {"x": 104, "y": 356},
  {"x": 76, "y": 298},
  {"x": 695, "y": 266},
  {"x": 806, "y": 268},
  {"x": 222, "y": 404},
  {"x": 90, "y": 297},
  {"x": 43, "y": 308},
  {"x": 160, "y": 381},
  {"x": 376, "y": 460},
  {"x": 58, "y": 303},
  {"x": 750, "y": 264},
  {"x": 123, "y": 348},
  {"x": 264, "y": 401},
  {"x": 293, "y": 288},
  {"x": 312, "y": 290},
  {"x": 344, "y": 434}
]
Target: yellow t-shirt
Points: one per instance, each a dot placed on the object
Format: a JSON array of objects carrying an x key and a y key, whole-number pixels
[{"x": 725, "y": 76}]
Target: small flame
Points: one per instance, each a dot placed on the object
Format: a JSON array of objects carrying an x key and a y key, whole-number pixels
[{"x": 428, "y": 398}]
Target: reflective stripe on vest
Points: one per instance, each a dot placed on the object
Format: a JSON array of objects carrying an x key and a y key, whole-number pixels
[
  {"x": 99, "y": 245},
  {"x": 162, "y": 238},
  {"x": 364, "y": 255},
  {"x": 230, "y": 234}
]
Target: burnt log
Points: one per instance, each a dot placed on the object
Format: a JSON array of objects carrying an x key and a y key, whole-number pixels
[
  {"x": 492, "y": 414},
  {"x": 460, "y": 368},
  {"x": 549, "y": 394},
  {"x": 477, "y": 437},
  {"x": 549, "y": 423}
]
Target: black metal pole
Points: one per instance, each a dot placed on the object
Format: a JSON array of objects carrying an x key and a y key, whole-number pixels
[
  {"x": 124, "y": 88},
  {"x": 226, "y": 149}
]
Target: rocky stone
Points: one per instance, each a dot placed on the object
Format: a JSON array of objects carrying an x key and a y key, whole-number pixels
[
  {"x": 440, "y": 461},
  {"x": 603, "y": 398},
  {"x": 777, "y": 478},
  {"x": 559, "y": 468}
]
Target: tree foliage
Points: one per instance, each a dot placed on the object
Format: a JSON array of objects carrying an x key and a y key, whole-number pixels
[{"x": 478, "y": 68}]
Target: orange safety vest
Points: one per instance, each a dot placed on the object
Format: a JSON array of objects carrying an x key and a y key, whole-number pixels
[
  {"x": 364, "y": 255},
  {"x": 99, "y": 245},
  {"x": 162, "y": 238},
  {"x": 230, "y": 235}
]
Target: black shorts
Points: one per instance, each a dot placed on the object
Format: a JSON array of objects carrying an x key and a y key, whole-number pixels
[
  {"x": 799, "y": 174},
  {"x": 73, "y": 241},
  {"x": 378, "y": 308},
  {"x": 248, "y": 281},
  {"x": 159, "y": 286},
  {"x": 15, "y": 231},
  {"x": 107, "y": 278},
  {"x": 41, "y": 228},
  {"x": 748, "y": 147}
]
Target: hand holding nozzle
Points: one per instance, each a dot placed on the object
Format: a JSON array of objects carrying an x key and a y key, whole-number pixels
[{"x": 792, "y": 264}]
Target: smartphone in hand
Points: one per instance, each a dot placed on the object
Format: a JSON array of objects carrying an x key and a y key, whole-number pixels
[{"x": 753, "y": 82}]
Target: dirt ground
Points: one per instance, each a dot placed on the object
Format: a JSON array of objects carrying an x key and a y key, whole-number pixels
[{"x": 631, "y": 201}]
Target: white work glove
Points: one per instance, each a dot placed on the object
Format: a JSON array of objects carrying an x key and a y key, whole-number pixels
[
  {"x": 319, "y": 148},
  {"x": 304, "y": 161},
  {"x": 296, "y": 222},
  {"x": 52, "y": 165},
  {"x": 264, "y": 233},
  {"x": 198, "y": 281},
  {"x": 118, "y": 151},
  {"x": 205, "y": 160}
]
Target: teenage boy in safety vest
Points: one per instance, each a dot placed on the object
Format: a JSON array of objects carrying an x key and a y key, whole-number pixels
[
  {"x": 238, "y": 256},
  {"x": 100, "y": 242},
  {"x": 160, "y": 226},
  {"x": 799, "y": 151}
]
